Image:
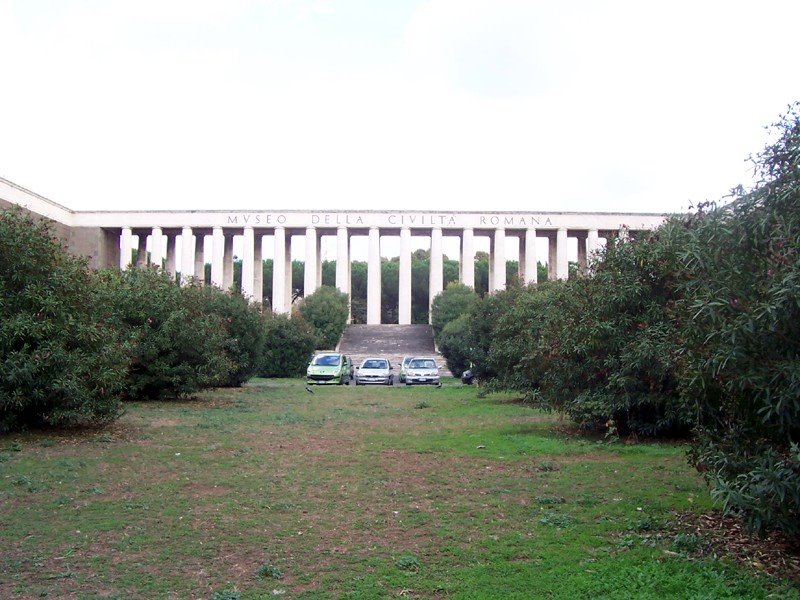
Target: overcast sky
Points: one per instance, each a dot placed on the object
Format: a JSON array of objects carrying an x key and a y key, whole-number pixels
[{"x": 364, "y": 104}]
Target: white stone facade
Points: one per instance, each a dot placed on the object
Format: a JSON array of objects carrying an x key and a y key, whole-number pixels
[{"x": 164, "y": 229}]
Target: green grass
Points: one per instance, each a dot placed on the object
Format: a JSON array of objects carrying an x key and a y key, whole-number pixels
[{"x": 268, "y": 491}]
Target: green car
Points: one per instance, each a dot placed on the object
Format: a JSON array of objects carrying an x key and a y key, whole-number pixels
[{"x": 328, "y": 368}]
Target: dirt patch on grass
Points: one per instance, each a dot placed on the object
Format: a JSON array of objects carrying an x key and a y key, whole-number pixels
[
  {"x": 165, "y": 422},
  {"x": 717, "y": 535}
]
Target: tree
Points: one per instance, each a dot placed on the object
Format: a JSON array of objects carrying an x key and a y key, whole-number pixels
[
  {"x": 607, "y": 346},
  {"x": 245, "y": 332},
  {"x": 741, "y": 369},
  {"x": 326, "y": 311},
  {"x": 288, "y": 347},
  {"x": 61, "y": 361},
  {"x": 455, "y": 344},
  {"x": 456, "y": 300},
  {"x": 481, "y": 273},
  {"x": 178, "y": 345},
  {"x": 390, "y": 290}
]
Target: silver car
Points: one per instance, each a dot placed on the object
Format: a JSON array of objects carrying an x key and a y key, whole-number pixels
[
  {"x": 423, "y": 371},
  {"x": 375, "y": 370}
]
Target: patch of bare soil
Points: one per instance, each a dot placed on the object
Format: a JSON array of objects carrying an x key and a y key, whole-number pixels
[
  {"x": 165, "y": 422},
  {"x": 725, "y": 536}
]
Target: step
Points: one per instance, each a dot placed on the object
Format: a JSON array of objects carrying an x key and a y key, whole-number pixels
[{"x": 390, "y": 341}]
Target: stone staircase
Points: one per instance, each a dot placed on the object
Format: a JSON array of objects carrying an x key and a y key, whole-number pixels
[{"x": 390, "y": 341}]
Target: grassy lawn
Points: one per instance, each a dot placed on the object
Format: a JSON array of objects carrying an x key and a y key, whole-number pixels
[{"x": 350, "y": 492}]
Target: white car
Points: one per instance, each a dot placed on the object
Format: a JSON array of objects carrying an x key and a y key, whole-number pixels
[
  {"x": 422, "y": 371},
  {"x": 375, "y": 370}
]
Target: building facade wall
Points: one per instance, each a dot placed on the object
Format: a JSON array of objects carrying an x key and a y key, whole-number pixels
[{"x": 106, "y": 238}]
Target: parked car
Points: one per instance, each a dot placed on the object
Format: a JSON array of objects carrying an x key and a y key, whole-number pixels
[
  {"x": 404, "y": 368},
  {"x": 375, "y": 371},
  {"x": 350, "y": 368},
  {"x": 423, "y": 371},
  {"x": 328, "y": 368}
]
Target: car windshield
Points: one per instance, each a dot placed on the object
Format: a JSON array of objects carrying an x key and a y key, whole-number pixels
[
  {"x": 375, "y": 364},
  {"x": 422, "y": 363},
  {"x": 407, "y": 360},
  {"x": 327, "y": 360}
]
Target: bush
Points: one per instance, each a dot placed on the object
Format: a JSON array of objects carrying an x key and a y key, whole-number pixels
[
  {"x": 601, "y": 349},
  {"x": 179, "y": 348},
  {"x": 61, "y": 363},
  {"x": 245, "y": 332},
  {"x": 486, "y": 312},
  {"x": 454, "y": 344},
  {"x": 741, "y": 370},
  {"x": 456, "y": 300},
  {"x": 516, "y": 334},
  {"x": 289, "y": 343},
  {"x": 326, "y": 311}
]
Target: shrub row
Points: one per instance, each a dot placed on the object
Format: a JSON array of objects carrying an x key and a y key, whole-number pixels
[
  {"x": 693, "y": 327},
  {"x": 75, "y": 343}
]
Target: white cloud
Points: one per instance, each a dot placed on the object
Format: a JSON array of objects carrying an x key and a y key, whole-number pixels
[{"x": 509, "y": 104}]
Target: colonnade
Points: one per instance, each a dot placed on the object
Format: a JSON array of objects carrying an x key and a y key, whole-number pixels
[
  {"x": 164, "y": 243},
  {"x": 106, "y": 238}
]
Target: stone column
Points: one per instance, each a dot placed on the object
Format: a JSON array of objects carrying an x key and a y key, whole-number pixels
[
  {"x": 287, "y": 262},
  {"x": 279, "y": 272},
  {"x": 125, "y": 248},
  {"x": 310, "y": 271},
  {"x": 172, "y": 251},
  {"x": 200, "y": 259},
  {"x": 592, "y": 241},
  {"x": 156, "y": 246},
  {"x": 227, "y": 263},
  {"x": 248, "y": 259},
  {"x": 343, "y": 263},
  {"x": 582, "y": 239},
  {"x": 258, "y": 272},
  {"x": 217, "y": 257},
  {"x": 187, "y": 254},
  {"x": 436, "y": 279},
  {"x": 319, "y": 261},
  {"x": 404, "y": 283},
  {"x": 467, "y": 266},
  {"x": 531, "y": 273},
  {"x": 499, "y": 260},
  {"x": 491, "y": 264},
  {"x": 551, "y": 257},
  {"x": 374, "y": 278},
  {"x": 562, "y": 265}
]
